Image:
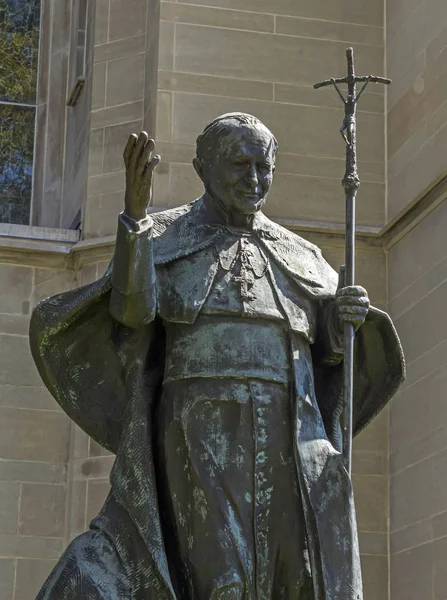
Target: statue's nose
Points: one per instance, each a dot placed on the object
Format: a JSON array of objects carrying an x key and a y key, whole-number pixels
[{"x": 252, "y": 175}]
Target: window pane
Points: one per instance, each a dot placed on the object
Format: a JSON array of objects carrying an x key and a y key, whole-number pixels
[
  {"x": 19, "y": 49},
  {"x": 16, "y": 162},
  {"x": 82, "y": 25}
]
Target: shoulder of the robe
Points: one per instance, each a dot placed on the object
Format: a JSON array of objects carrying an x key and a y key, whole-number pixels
[
  {"x": 181, "y": 231},
  {"x": 298, "y": 257},
  {"x": 271, "y": 230},
  {"x": 164, "y": 219}
]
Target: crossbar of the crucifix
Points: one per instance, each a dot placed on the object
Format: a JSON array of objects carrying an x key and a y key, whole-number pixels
[{"x": 358, "y": 79}]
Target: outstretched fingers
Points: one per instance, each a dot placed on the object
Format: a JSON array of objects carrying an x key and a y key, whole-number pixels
[
  {"x": 139, "y": 149},
  {"x": 150, "y": 166},
  {"x": 140, "y": 164},
  {"x": 130, "y": 146},
  {"x": 145, "y": 155}
]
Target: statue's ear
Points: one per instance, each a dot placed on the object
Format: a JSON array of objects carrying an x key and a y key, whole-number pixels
[{"x": 199, "y": 168}]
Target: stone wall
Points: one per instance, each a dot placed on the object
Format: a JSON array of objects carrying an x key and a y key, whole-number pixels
[
  {"x": 370, "y": 448},
  {"x": 34, "y": 436},
  {"x": 263, "y": 58},
  {"x": 417, "y": 137},
  {"x": 123, "y": 101},
  {"x": 417, "y": 99},
  {"x": 418, "y": 415}
]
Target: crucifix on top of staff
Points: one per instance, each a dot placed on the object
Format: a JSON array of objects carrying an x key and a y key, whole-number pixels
[{"x": 351, "y": 184}]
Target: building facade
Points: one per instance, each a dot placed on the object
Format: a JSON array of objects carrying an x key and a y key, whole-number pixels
[{"x": 88, "y": 73}]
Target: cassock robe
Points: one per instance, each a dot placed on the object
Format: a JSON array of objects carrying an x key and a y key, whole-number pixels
[{"x": 107, "y": 377}]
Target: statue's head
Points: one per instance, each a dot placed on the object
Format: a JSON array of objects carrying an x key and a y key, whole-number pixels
[{"x": 235, "y": 159}]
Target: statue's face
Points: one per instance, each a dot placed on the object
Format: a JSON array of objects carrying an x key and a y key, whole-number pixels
[{"x": 242, "y": 169}]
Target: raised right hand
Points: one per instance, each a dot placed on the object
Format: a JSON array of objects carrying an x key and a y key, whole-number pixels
[{"x": 140, "y": 164}]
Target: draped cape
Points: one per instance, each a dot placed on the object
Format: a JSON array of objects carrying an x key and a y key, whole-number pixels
[{"x": 107, "y": 378}]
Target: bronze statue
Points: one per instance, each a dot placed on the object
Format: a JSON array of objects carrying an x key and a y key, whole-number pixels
[{"x": 209, "y": 359}]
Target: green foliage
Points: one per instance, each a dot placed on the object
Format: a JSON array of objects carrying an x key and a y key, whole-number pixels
[
  {"x": 16, "y": 160},
  {"x": 19, "y": 48}
]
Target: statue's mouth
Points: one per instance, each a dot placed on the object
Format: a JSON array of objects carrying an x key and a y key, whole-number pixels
[{"x": 253, "y": 196}]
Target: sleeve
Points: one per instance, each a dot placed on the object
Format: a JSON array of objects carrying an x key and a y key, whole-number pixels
[
  {"x": 330, "y": 335},
  {"x": 133, "y": 300}
]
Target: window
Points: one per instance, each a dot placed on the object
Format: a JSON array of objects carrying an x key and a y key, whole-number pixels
[
  {"x": 81, "y": 56},
  {"x": 19, "y": 50},
  {"x": 78, "y": 61}
]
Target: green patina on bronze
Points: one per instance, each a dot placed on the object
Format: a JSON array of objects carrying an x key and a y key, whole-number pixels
[{"x": 209, "y": 359}]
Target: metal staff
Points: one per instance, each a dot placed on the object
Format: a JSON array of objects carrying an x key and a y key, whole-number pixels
[{"x": 351, "y": 184}]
